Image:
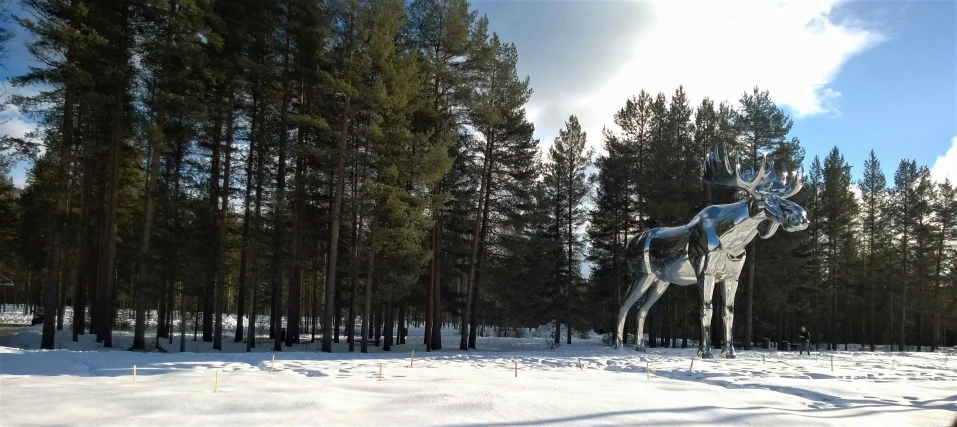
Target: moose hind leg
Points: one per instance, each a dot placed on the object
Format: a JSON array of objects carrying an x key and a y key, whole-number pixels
[
  {"x": 727, "y": 292},
  {"x": 706, "y": 286},
  {"x": 656, "y": 292},
  {"x": 638, "y": 287}
]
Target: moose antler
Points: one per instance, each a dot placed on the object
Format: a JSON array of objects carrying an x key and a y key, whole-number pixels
[
  {"x": 718, "y": 171},
  {"x": 784, "y": 187}
]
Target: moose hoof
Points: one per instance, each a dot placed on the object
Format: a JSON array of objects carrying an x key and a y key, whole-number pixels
[
  {"x": 707, "y": 355},
  {"x": 730, "y": 355},
  {"x": 641, "y": 349}
]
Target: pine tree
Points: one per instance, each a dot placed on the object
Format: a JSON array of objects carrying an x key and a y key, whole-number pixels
[
  {"x": 495, "y": 110},
  {"x": 567, "y": 184},
  {"x": 448, "y": 37},
  {"x": 945, "y": 209},
  {"x": 874, "y": 222},
  {"x": 904, "y": 213},
  {"x": 763, "y": 127},
  {"x": 837, "y": 214}
]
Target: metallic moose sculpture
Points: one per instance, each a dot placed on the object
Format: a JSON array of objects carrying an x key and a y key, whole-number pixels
[{"x": 711, "y": 248}]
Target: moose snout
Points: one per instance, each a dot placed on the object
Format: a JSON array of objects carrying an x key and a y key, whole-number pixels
[{"x": 798, "y": 221}]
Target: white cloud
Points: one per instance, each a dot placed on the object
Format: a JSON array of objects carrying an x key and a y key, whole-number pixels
[
  {"x": 14, "y": 124},
  {"x": 946, "y": 165},
  {"x": 793, "y": 49}
]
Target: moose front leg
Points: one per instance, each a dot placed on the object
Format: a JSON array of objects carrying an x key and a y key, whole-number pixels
[
  {"x": 706, "y": 285},
  {"x": 727, "y": 292}
]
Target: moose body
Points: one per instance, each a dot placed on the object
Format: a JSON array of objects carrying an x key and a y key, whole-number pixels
[{"x": 710, "y": 249}]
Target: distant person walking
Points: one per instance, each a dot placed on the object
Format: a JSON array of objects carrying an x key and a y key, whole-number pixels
[{"x": 805, "y": 342}]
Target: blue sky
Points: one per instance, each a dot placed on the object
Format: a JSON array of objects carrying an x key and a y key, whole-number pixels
[{"x": 859, "y": 74}]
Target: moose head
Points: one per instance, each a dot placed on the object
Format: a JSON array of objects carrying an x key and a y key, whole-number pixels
[{"x": 768, "y": 192}]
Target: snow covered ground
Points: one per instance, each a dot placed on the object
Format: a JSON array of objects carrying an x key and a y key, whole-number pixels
[{"x": 83, "y": 385}]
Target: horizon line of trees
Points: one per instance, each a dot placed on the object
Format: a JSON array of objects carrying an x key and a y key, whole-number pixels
[{"x": 323, "y": 164}]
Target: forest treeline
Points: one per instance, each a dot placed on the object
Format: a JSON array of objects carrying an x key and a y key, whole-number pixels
[{"x": 339, "y": 169}]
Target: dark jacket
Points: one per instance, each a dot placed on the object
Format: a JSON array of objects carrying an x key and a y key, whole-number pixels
[{"x": 805, "y": 335}]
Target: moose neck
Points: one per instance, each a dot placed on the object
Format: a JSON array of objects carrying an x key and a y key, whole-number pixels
[{"x": 749, "y": 216}]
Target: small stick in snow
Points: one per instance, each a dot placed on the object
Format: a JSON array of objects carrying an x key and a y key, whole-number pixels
[
  {"x": 273, "y": 364},
  {"x": 516, "y": 369},
  {"x": 134, "y": 374},
  {"x": 580, "y": 363},
  {"x": 832, "y": 363},
  {"x": 413, "y": 358},
  {"x": 692, "y": 365},
  {"x": 216, "y": 389},
  {"x": 648, "y": 369}
]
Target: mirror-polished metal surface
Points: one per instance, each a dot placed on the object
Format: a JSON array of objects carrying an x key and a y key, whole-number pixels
[{"x": 710, "y": 250}]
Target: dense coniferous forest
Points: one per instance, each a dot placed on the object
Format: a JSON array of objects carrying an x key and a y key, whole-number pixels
[{"x": 337, "y": 170}]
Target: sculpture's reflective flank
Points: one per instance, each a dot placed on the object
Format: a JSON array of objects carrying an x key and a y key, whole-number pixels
[{"x": 711, "y": 248}]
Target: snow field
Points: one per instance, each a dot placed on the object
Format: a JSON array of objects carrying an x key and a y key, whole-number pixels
[
  {"x": 451, "y": 388},
  {"x": 81, "y": 384}
]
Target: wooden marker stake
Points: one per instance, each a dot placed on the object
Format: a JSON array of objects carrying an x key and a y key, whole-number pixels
[
  {"x": 413, "y": 358},
  {"x": 273, "y": 364},
  {"x": 215, "y": 390},
  {"x": 516, "y": 369},
  {"x": 134, "y": 374},
  {"x": 832, "y": 363},
  {"x": 692, "y": 364}
]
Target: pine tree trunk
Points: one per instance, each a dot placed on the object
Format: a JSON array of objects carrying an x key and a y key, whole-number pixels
[
  {"x": 139, "y": 334},
  {"x": 244, "y": 283},
  {"x": 367, "y": 314},
  {"x": 388, "y": 329},
  {"x": 436, "y": 340},
  {"x": 107, "y": 292},
  {"x": 935, "y": 344},
  {"x": 298, "y": 211},
  {"x": 51, "y": 287},
  {"x": 430, "y": 291},
  {"x": 87, "y": 244},
  {"x": 402, "y": 324},
  {"x": 209, "y": 292},
  {"x": 904, "y": 297},
  {"x": 255, "y": 136},
  {"x": 378, "y": 324},
  {"x": 220, "y": 301},
  {"x": 480, "y": 216},
  {"x": 279, "y": 226},
  {"x": 182, "y": 320},
  {"x": 353, "y": 270},
  {"x": 337, "y": 318}
]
